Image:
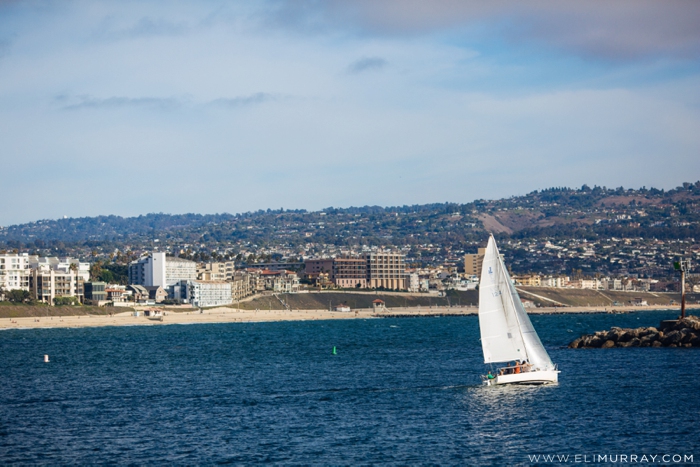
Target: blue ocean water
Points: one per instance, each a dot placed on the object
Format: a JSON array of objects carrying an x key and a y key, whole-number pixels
[{"x": 399, "y": 391}]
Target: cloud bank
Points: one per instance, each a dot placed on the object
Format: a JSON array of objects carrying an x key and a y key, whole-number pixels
[
  {"x": 215, "y": 106},
  {"x": 621, "y": 30}
]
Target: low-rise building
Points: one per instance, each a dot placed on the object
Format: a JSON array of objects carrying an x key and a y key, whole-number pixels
[
  {"x": 280, "y": 281},
  {"x": 139, "y": 293},
  {"x": 638, "y": 302},
  {"x": 95, "y": 292},
  {"x": 556, "y": 282},
  {"x": 589, "y": 284},
  {"x": 156, "y": 293},
  {"x": 532, "y": 280},
  {"x": 116, "y": 293},
  {"x": 208, "y": 293}
]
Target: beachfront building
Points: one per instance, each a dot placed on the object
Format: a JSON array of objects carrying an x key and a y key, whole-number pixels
[
  {"x": 257, "y": 281},
  {"x": 116, "y": 293},
  {"x": 386, "y": 270},
  {"x": 319, "y": 270},
  {"x": 45, "y": 284},
  {"x": 157, "y": 269},
  {"x": 46, "y": 278},
  {"x": 241, "y": 285},
  {"x": 280, "y": 281},
  {"x": 204, "y": 293},
  {"x": 138, "y": 293},
  {"x": 95, "y": 292},
  {"x": 349, "y": 273},
  {"x": 156, "y": 293},
  {"x": 14, "y": 271},
  {"x": 372, "y": 270}
]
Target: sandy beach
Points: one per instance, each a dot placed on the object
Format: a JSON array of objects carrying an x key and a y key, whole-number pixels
[{"x": 232, "y": 315}]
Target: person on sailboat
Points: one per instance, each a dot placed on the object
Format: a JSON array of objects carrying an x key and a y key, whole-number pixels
[
  {"x": 490, "y": 375},
  {"x": 517, "y": 367}
]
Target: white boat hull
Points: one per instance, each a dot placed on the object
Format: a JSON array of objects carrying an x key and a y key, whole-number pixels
[{"x": 530, "y": 377}]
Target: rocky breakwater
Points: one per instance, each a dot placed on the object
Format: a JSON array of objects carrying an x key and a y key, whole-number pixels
[{"x": 677, "y": 333}]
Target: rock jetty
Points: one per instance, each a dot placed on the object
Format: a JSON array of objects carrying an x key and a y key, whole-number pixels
[{"x": 677, "y": 333}]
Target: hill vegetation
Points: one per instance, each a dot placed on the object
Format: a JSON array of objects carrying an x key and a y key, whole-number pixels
[{"x": 429, "y": 234}]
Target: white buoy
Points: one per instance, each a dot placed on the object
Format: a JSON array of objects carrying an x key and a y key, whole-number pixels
[{"x": 46, "y": 359}]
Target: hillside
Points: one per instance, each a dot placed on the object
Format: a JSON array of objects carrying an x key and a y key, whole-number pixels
[{"x": 428, "y": 234}]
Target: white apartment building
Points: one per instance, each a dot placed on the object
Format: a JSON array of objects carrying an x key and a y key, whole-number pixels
[
  {"x": 45, "y": 277},
  {"x": 209, "y": 293},
  {"x": 46, "y": 263},
  {"x": 611, "y": 284},
  {"x": 14, "y": 271},
  {"x": 589, "y": 284},
  {"x": 414, "y": 282},
  {"x": 557, "y": 282},
  {"x": 157, "y": 269}
]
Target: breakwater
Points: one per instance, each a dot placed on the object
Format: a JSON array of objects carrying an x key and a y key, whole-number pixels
[{"x": 672, "y": 333}]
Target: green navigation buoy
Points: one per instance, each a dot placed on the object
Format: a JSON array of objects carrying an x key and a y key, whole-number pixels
[{"x": 334, "y": 352}]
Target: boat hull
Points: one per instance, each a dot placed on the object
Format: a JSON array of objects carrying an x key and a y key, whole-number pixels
[{"x": 530, "y": 377}]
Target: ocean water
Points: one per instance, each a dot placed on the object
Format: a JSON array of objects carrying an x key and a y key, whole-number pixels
[{"x": 398, "y": 391}]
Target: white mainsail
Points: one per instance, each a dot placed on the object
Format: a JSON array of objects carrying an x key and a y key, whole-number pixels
[{"x": 506, "y": 331}]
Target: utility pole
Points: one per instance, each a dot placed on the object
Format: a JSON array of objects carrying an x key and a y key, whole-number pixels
[{"x": 683, "y": 265}]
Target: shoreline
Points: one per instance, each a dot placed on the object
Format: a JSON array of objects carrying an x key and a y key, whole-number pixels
[{"x": 234, "y": 315}]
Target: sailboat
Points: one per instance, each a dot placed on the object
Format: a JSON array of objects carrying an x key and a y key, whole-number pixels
[{"x": 507, "y": 334}]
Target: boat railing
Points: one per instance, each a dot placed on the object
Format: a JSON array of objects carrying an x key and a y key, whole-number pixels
[{"x": 512, "y": 370}]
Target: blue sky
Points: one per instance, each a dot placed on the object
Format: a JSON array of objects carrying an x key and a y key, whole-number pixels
[{"x": 216, "y": 106}]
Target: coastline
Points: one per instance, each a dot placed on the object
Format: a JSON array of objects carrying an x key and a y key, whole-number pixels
[{"x": 233, "y": 315}]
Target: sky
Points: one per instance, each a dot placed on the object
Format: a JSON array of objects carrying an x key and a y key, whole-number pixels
[{"x": 128, "y": 108}]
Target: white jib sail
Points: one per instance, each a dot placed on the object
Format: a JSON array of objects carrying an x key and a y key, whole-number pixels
[{"x": 506, "y": 331}]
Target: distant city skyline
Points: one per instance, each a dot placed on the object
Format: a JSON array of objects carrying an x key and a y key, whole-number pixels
[{"x": 209, "y": 107}]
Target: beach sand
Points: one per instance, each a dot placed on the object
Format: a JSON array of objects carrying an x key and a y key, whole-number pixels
[{"x": 232, "y": 315}]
